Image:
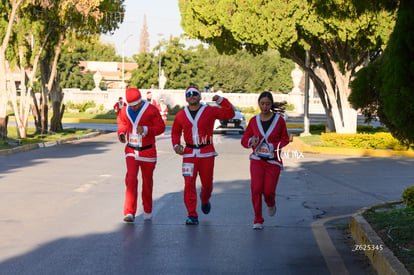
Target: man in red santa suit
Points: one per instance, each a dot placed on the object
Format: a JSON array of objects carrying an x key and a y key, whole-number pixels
[
  {"x": 196, "y": 124},
  {"x": 150, "y": 99},
  {"x": 162, "y": 107},
  {"x": 119, "y": 105},
  {"x": 138, "y": 124}
]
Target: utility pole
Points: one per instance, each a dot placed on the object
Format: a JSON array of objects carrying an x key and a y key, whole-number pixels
[{"x": 306, "y": 127}]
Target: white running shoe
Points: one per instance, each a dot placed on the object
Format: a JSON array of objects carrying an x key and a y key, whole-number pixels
[
  {"x": 147, "y": 216},
  {"x": 129, "y": 218},
  {"x": 258, "y": 226},
  {"x": 271, "y": 210}
]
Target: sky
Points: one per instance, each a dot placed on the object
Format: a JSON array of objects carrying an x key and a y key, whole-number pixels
[{"x": 163, "y": 20}]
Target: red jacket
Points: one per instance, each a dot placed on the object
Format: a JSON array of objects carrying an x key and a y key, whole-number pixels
[
  {"x": 199, "y": 130},
  {"x": 276, "y": 136},
  {"x": 118, "y": 107},
  {"x": 163, "y": 111},
  {"x": 149, "y": 117}
]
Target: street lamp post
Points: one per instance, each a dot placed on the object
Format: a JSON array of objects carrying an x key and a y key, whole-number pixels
[
  {"x": 159, "y": 60},
  {"x": 123, "y": 60}
]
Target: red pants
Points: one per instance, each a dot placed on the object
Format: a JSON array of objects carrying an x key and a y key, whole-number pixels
[
  {"x": 204, "y": 167},
  {"x": 264, "y": 179},
  {"x": 131, "y": 182}
]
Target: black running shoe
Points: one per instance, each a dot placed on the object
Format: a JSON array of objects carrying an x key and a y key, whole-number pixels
[
  {"x": 205, "y": 207},
  {"x": 191, "y": 220}
]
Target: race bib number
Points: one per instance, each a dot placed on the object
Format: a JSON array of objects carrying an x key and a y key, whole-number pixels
[
  {"x": 188, "y": 169},
  {"x": 264, "y": 152},
  {"x": 135, "y": 140}
]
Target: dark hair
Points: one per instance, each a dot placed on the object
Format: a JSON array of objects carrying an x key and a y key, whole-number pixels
[{"x": 276, "y": 106}]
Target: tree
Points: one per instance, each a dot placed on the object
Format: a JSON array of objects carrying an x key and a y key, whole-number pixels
[
  {"x": 180, "y": 66},
  {"x": 385, "y": 88},
  {"x": 147, "y": 72},
  {"x": 86, "y": 17},
  {"x": 52, "y": 20},
  {"x": 204, "y": 66},
  {"x": 243, "y": 72},
  {"x": 338, "y": 34},
  {"x": 82, "y": 49}
]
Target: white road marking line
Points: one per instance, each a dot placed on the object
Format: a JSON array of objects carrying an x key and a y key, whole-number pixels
[{"x": 332, "y": 258}]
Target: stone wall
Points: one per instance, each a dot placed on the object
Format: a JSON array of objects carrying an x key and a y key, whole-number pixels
[{"x": 176, "y": 97}]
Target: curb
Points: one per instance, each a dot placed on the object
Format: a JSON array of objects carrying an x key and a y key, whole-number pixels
[
  {"x": 27, "y": 147},
  {"x": 349, "y": 151},
  {"x": 92, "y": 121},
  {"x": 383, "y": 261}
]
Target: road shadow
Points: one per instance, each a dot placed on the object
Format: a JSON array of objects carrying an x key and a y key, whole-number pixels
[
  {"x": 73, "y": 149},
  {"x": 224, "y": 241}
]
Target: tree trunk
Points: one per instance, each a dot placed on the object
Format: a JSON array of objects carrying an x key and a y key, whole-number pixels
[
  {"x": 44, "y": 111},
  {"x": 21, "y": 108},
  {"x": 3, "y": 127},
  {"x": 333, "y": 89},
  {"x": 44, "y": 96},
  {"x": 35, "y": 111},
  {"x": 55, "y": 90},
  {"x": 56, "y": 121},
  {"x": 3, "y": 85},
  {"x": 3, "y": 95}
]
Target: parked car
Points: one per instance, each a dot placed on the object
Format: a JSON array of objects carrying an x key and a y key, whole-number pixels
[{"x": 236, "y": 124}]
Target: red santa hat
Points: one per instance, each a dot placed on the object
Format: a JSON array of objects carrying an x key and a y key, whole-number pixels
[
  {"x": 133, "y": 96},
  {"x": 149, "y": 93}
]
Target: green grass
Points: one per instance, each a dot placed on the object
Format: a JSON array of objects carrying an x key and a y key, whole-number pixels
[
  {"x": 313, "y": 140},
  {"x": 317, "y": 129},
  {"x": 395, "y": 227},
  {"x": 89, "y": 116},
  {"x": 37, "y": 138}
]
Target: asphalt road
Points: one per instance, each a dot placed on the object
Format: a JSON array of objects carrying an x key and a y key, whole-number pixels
[{"x": 61, "y": 213}]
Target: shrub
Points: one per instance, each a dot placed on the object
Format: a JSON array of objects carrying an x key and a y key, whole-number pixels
[
  {"x": 249, "y": 110},
  {"x": 370, "y": 129},
  {"x": 364, "y": 141},
  {"x": 174, "y": 110},
  {"x": 408, "y": 196},
  {"x": 82, "y": 107},
  {"x": 317, "y": 127}
]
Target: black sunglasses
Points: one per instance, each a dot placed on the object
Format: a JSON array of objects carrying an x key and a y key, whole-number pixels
[{"x": 191, "y": 93}]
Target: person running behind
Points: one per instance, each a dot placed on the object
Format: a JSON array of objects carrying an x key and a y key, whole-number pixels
[{"x": 119, "y": 105}]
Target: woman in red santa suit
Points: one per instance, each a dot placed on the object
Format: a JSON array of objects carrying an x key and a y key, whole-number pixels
[
  {"x": 196, "y": 124},
  {"x": 266, "y": 134},
  {"x": 138, "y": 125}
]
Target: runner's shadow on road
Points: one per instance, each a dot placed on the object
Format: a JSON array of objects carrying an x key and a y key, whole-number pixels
[
  {"x": 8, "y": 163},
  {"x": 223, "y": 242}
]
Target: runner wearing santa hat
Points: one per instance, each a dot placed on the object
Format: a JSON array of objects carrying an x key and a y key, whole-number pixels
[
  {"x": 163, "y": 108},
  {"x": 196, "y": 124},
  {"x": 150, "y": 100},
  {"x": 119, "y": 105},
  {"x": 138, "y": 124}
]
